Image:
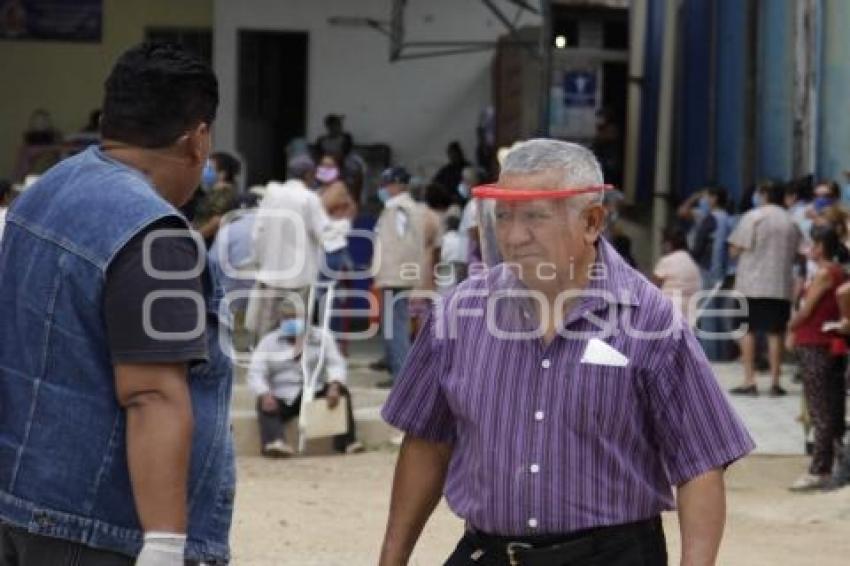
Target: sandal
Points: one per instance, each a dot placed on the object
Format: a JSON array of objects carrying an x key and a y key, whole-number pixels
[{"x": 750, "y": 390}]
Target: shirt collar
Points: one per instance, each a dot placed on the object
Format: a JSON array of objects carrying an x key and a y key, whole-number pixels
[
  {"x": 397, "y": 199},
  {"x": 610, "y": 278}
]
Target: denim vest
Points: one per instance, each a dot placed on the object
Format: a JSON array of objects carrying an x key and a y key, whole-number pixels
[{"x": 63, "y": 463}]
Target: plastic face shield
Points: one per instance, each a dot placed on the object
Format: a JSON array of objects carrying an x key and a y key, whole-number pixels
[{"x": 512, "y": 221}]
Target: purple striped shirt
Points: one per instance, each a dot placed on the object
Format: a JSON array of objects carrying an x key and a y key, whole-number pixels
[{"x": 546, "y": 444}]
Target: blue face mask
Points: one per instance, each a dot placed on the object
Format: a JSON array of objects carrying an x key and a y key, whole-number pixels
[
  {"x": 209, "y": 175},
  {"x": 383, "y": 194},
  {"x": 463, "y": 190},
  {"x": 704, "y": 205},
  {"x": 757, "y": 201},
  {"x": 292, "y": 327},
  {"x": 822, "y": 202}
]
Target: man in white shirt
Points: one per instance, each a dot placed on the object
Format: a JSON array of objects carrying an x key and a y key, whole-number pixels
[
  {"x": 766, "y": 242},
  {"x": 276, "y": 378},
  {"x": 291, "y": 234}
]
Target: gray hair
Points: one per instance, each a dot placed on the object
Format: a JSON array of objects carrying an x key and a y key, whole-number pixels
[{"x": 578, "y": 165}]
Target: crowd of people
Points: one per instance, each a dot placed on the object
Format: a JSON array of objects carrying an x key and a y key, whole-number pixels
[
  {"x": 784, "y": 255},
  {"x": 117, "y": 352}
]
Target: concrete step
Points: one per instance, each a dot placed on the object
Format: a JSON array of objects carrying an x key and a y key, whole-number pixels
[
  {"x": 372, "y": 431},
  {"x": 244, "y": 398}
]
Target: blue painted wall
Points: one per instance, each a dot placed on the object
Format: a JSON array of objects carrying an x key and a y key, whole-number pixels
[
  {"x": 775, "y": 98},
  {"x": 649, "y": 101},
  {"x": 731, "y": 80},
  {"x": 834, "y": 111},
  {"x": 693, "y": 127}
]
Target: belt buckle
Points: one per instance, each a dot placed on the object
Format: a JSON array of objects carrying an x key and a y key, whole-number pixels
[{"x": 512, "y": 548}]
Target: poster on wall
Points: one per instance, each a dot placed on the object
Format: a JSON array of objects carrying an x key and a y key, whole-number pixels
[
  {"x": 575, "y": 100},
  {"x": 51, "y": 20}
]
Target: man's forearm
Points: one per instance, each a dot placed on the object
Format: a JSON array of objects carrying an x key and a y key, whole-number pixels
[
  {"x": 159, "y": 439},
  {"x": 417, "y": 488},
  {"x": 702, "y": 516}
]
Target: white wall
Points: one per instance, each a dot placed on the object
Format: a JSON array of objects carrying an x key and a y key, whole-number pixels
[{"x": 416, "y": 107}]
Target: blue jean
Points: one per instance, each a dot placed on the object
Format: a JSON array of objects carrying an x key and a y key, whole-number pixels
[{"x": 397, "y": 329}]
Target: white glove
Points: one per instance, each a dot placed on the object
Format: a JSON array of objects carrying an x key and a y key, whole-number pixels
[{"x": 162, "y": 549}]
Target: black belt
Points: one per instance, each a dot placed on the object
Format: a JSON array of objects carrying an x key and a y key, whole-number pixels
[{"x": 556, "y": 549}]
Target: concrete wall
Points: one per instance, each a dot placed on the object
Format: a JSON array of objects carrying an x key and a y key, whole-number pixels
[
  {"x": 834, "y": 126},
  {"x": 67, "y": 78},
  {"x": 415, "y": 106},
  {"x": 775, "y": 98}
]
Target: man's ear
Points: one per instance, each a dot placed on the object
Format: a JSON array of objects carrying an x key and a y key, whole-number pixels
[
  {"x": 197, "y": 143},
  {"x": 594, "y": 222}
]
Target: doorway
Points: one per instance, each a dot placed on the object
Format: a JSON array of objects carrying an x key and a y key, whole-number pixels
[{"x": 272, "y": 100}]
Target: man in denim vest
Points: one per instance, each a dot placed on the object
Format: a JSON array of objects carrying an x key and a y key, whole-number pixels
[{"x": 114, "y": 393}]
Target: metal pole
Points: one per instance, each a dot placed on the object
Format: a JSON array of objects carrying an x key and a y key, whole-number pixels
[
  {"x": 664, "y": 146},
  {"x": 637, "y": 57},
  {"x": 546, "y": 64}
]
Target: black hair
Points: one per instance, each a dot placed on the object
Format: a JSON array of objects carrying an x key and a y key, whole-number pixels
[
  {"x": 676, "y": 237},
  {"x": 720, "y": 195},
  {"x": 5, "y": 189},
  {"x": 332, "y": 119},
  {"x": 155, "y": 93},
  {"x": 228, "y": 164},
  {"x": 438, "y": 197},
  {"x": 802, "y": 188},
  {"x": 455, "y": 147},
  {"x": 93, "y": 125},
  {"x": 452, "y": 222},
  {"x": 834, "y": 189},
  {"x": 833, "y": 248},
  {"x": 774, "y": 193}
]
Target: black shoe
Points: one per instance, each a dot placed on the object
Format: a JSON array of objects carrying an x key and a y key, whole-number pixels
[
  {"x": 379, "y": 365},
  {"x": 387, "y": 384},
  {"x": 777, "y": 391},
  {"x": 749, "y": 390}
]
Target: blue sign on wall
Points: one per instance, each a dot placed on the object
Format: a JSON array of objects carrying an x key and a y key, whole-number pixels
[
  {"x": 63, "y": 20},
  {"x": 580, "y": 89}
]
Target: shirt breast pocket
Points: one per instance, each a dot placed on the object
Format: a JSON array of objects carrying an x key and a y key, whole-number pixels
[{"x": 605, "y": 400}]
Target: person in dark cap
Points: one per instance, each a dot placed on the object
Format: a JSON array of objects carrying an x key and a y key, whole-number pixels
[
  {"x": 402, "y": 237},
  {"x": 336, "y": 141}
]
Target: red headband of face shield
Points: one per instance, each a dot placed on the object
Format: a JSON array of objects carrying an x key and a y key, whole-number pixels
[{"x": 497, "y": 193}]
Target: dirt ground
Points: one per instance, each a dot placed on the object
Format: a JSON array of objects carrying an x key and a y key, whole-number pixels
[{"x": 331, "y": 511}]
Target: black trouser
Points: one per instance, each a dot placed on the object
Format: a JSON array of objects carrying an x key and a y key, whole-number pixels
[
  {"x": 20, "y": 548},
  {"x": 635, "y": 544},
  {"x": 272, "y": 424}
]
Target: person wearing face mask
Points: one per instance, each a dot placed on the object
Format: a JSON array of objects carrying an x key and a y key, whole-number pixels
[
  {"x": 275, "y": 378},
  {"x": 403, "y": 237},
  {"x": 450, "y": 174},
  {"x": 218, "y": 187},
  {"x": 123, "y": 455},
  {"x": 709, "y": 248},
  {"x": 327, "y": 171},
  {"x": 766, "y": 242}
]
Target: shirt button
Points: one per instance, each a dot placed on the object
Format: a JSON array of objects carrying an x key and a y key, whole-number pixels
[
  {"x": 532, "y": 523},
  {"x": 546, "y": 363},
  {"x": 534, "y": 468},
  {"x": 538, "y": 416}
]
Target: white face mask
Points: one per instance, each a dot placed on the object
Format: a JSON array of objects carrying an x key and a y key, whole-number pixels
[{"x": 327, "y": 174}]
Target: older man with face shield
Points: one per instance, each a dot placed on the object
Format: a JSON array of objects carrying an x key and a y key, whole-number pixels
[{"x": 557, "y": 398}]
